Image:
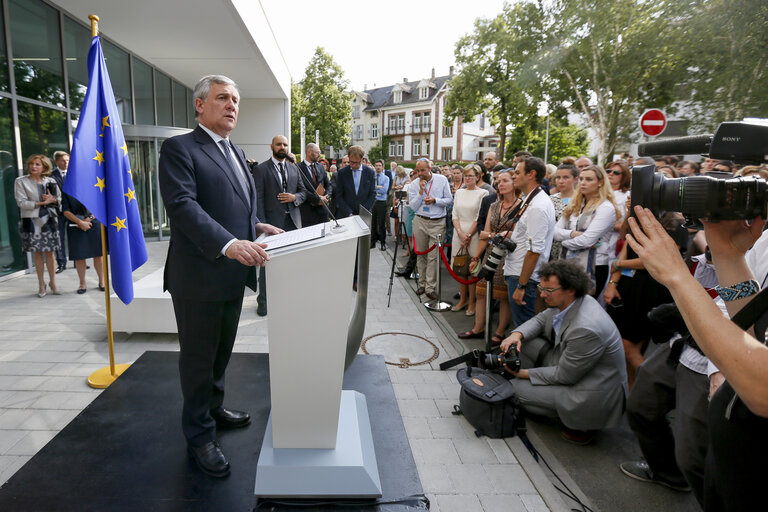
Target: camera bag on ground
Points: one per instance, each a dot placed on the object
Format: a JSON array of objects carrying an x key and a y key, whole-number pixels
[{"x": 488, "y": 401}]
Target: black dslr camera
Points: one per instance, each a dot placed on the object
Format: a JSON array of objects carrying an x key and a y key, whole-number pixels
[
  {"x": 494, "y": 361},
  {"x": 499, "y": 250},
  {"x": 707, "y": 197}
]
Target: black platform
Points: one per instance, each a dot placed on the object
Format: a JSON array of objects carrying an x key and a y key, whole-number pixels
[{"x": 126, "y": 452}]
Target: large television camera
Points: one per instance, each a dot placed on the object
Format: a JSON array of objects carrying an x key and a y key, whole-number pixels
[{"x": 707, "y": 197}]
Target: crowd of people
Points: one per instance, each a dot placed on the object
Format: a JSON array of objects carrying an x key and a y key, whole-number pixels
[{"x": 584, "y": 304}]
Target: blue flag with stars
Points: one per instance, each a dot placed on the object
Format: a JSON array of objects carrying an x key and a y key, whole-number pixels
[{"x": 100, "y": 175}]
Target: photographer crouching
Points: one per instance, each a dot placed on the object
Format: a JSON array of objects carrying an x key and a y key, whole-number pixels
[
  {"x": 738, "y": 411},
  {"x": 572, "y": 357}
]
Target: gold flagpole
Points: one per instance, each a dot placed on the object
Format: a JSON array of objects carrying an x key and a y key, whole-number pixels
[{"x": 103, "y": 377}]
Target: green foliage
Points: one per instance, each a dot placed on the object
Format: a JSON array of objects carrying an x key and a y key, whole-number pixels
[
  {"x": 380, "y": 151},
  {"x": 727, "y": 58},
  {"x": 622, "y": 57},
  {"x": 321, "y": 99},
  {"x": 494, "y": 69},
  {"x": 564, "y": 139}
]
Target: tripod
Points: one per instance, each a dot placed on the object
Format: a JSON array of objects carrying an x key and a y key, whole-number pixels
[{"x": 400, "y": 231}]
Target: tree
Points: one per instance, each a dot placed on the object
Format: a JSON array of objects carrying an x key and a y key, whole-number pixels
[
  {"x": 565, "y": 139},
  {"x": 728, "y": 60},
  {"x": 616, "y": 57},
  {"x": 380, "y": 151},
  {"x": 493, "y": 69},
  {"x": 322, "y": 100}
]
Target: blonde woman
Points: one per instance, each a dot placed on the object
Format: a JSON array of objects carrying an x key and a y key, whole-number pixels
[
  {"x": 466, "y": 206},
  {"x": 587, "y": 222},
  {"x": 38, "y": 197}
]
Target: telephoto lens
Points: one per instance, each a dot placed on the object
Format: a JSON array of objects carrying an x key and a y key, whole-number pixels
[
  {"x": 700, "y": 197},
  {"x": 496, "y": 361}
]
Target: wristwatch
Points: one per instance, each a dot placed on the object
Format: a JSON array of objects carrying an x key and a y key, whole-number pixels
[{"x": 521, "y": 286}]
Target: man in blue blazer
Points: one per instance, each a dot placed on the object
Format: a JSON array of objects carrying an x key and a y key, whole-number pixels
[
  {"x": 211, "y": 203},
  {"x": 355, "y": 185}
]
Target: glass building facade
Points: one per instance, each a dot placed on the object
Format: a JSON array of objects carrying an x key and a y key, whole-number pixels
[{"x": 43, "y": 78}]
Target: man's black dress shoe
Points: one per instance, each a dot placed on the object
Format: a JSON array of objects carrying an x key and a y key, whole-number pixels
[
  {"x": 383, "y": 246},
  {"x": 419, "y": 290},
  {"x": 210, "y": 459},
  {"x": 60, "y": 269},
  {"x": 261, "y": 310},
  {"x": 227, "y": 418},
  {"x": 431, "y": 295}
]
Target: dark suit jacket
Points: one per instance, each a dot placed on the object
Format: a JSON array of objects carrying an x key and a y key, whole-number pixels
[
  {"x": 347, "y": 202},
  {"x": 268, "y": 186},
  {"x": 207, "y": 208},
  {"x": 312, "y": 210}
]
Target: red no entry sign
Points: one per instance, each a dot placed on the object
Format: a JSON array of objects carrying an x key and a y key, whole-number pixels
[{"x": 653, "y": 122}]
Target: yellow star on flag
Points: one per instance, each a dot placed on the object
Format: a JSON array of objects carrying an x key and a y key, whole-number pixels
[
  {"x": 124, "y": 147},
  {"x": 104, "y": 122},
  {"x": 131, "y": 194},
  {"x": 100, "y": 183},
  {"x": 131, "y": 173},
  {"x": 119, "y": 223},
  {"x": 99, "y": 157}
]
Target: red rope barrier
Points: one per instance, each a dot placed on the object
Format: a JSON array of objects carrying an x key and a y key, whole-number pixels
[
  {"x": 425, "y": 252},
  {"x": 453, "y": 274}
]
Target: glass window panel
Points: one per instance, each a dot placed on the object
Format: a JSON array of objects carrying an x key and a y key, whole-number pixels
[
  {"x": 141, "y": 154},
  {"x": 179, "y": 105},
  {"x": 43, "y": 130},
  {"x": 191, "y": 117},
  {"x": 143, "y": 92},
  {"x": 120, "y": 77},
  {"x": 11, "y": 256},
  {"x": 3, "y": 56},
  {"x": 164, "y": 104},
  {"x": 77, "y": 42},
  {"x": 37, "y": 51}
]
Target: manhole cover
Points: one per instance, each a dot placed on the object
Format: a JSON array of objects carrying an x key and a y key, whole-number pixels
[{"x": 401, "y": 349}]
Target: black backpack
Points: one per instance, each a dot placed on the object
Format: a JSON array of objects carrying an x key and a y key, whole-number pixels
[{"x": 488, "y": 401}]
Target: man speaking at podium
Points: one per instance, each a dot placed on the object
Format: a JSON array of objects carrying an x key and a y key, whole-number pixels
[{"x": 211, "y": 203}]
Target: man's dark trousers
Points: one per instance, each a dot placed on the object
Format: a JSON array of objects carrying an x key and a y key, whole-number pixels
[
  {"x": 660, "y": 387},
  {"x": 207, "y": 332},
  {"x": 379, "y": 222}
]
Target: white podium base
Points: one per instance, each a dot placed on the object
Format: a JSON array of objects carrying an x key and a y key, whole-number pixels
[{"x": 347, "y": 471}]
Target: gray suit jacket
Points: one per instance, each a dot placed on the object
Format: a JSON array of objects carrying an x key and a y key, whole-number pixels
[{"x": 587, "y": 362}]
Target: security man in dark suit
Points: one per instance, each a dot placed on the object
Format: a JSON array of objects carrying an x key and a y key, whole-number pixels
[
  {"x": 211, "y": 203},
  {"x": 312, "y": 209},
  {"x": 279, "y": 192},
  {"x": 355, "y": 185},
  {"x": 58, "y": 173}
]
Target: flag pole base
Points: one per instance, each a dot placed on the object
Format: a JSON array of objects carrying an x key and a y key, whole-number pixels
[{"x": 102, "y": 377}]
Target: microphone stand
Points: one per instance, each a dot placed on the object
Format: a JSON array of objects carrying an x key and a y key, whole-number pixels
[{"x": 338, "y": 228}]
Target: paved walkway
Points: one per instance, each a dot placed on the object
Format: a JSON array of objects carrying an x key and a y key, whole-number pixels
[{"x": 49, "y": 346}]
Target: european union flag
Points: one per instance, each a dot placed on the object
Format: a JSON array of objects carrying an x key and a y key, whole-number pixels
[{"x": 100, "y": 176}]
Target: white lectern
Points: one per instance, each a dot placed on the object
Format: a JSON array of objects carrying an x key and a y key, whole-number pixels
[{"x": 318, "y": 438}]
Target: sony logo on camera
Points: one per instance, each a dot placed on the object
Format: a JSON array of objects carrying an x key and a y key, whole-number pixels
[{"x": 731, "y": 139}]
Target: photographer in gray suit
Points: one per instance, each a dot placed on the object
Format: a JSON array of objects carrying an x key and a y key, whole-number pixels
[{"x": 572, "y": 356}]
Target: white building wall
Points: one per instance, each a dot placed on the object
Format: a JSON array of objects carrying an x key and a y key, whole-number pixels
[{"x": 258, "y": 121}]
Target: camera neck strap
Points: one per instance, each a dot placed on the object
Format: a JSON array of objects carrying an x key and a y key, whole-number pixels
[{"x": 517, "y": 212}]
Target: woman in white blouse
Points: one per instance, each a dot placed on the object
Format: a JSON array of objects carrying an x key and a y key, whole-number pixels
[
  {"x": 587, "y": 223},
  {"x": 466, "y": 206}
]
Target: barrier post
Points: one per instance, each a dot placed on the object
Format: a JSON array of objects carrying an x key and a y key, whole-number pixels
[{"x": 437, "y": 304}]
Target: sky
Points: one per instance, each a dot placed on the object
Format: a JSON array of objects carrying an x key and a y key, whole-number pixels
[{"x": 376, "y": 43}]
